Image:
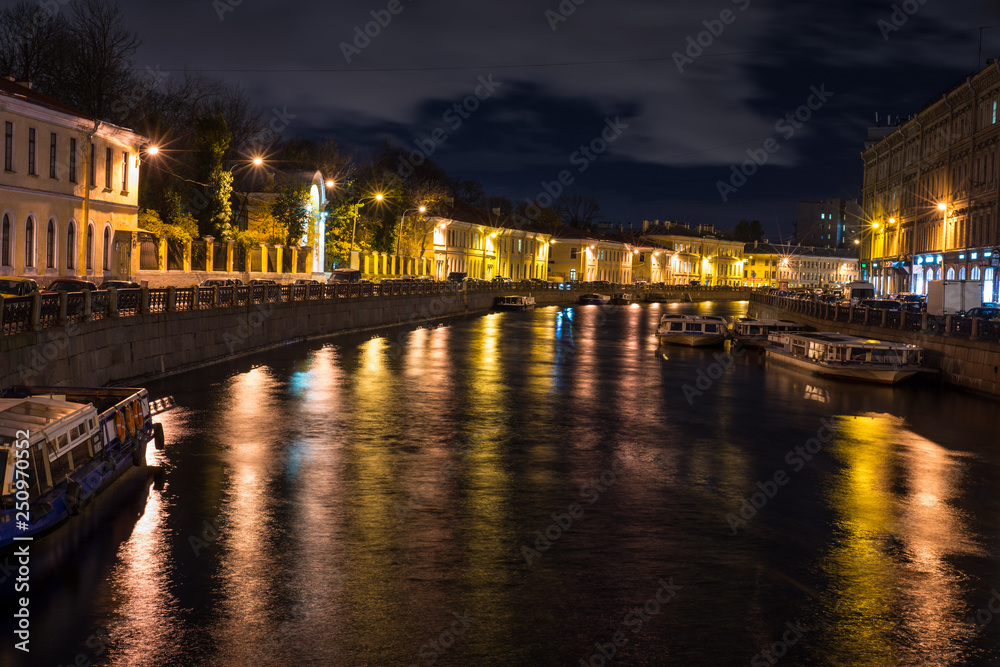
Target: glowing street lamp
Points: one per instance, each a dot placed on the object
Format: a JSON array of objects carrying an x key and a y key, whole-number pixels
[
  {"x": 357, "y": 213},
  {"x": 402, "y": 220}
]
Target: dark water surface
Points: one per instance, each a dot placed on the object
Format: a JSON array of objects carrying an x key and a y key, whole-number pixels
[{"x": 385, "y": 500}]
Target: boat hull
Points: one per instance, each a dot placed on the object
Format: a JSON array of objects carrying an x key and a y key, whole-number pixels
[
  {"x": 861, "y": 373},
  {"x": 692, "y": 340}
]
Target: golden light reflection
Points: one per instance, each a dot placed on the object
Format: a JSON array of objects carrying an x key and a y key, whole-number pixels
[
  {"x": 141, "y": 584},
  {"x": 250, "y": 432},
  {"x": 897, "y": 531}
]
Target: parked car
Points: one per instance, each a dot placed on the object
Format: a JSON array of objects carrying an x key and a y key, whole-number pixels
[
  {"x": 69, "y": 285},
  {"x": 221, "y": 282},
  {"x": 457, "y": 277},
  {"x": 119, "y": 284},
  {"x": 344, "y": 276},
  {"x": 17, "y": 286},
  {"x": 262, "y": 281},
  {"x": 984, "y": 313},
  {"x": 305, "y": 281},
  {"x": 882, "y": 304}
]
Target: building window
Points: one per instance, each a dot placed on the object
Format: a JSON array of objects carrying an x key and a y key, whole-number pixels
[
  {"x": 8, "y": 146},
  {"x": 72, "y": 160},
  {"x": 6, "y": 242},
  {"x": 90, "y": 247},
  {"x": 124, "y": 172},
  {"x": 29, "y": 242},
  {"x": 107, "y": 248},
  {"x": 92, "y": 179},
  {"x": 52, "y": 155},
  {"x": 32, "y": 153},
  {"x": 50, "y": 246},
  {"x": 574, "y": 253},
  {"x": 71, "y": 246},
  {"x": 994, "y": 112},
  {"x": 107, "y": 168}
]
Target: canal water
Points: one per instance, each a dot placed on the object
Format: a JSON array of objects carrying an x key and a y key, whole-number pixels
[{"x": 540, "y": 488}]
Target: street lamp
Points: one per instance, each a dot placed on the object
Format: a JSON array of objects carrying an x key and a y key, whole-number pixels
[
  {"x": 357, "y": 212},
  {"x": 402, "y": 221}
]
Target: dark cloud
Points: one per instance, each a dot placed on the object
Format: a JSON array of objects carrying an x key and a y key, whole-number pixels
[{"x": 756, "y": 62}]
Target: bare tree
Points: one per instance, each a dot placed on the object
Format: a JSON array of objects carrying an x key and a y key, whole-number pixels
[
  {"x": 32, "y": 44},
  {"x": 579, "y": 211}
]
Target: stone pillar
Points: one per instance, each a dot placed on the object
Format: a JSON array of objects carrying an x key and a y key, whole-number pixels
[
  {"x": 293, "y": 258},
  {"x": 187, "y": 256},
  {"x": 171, "y": 299},
  {"x": 112, "y": 302},
  {"x": 923, "y": 322},
  {"x": 62, "y": 308},
  {"x": 144, "y": 301},
  {"x": 279, "y": 258},
  {"x": 947, "y": 325},
  {"x": 87, "y": 306},
  {"x": 263, "y": 258},
  {"x": 885, "y": 315},
  {"x": 230, "y": 256},
  {"x": 36, "y": 311},
  {"x": 975, "y": 329},
  {"x": 209, "y": 252},
  {"x": 161, "y": 254}
]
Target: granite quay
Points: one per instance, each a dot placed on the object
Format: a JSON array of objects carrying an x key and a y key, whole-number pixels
[{"x": 110, "y": 336}]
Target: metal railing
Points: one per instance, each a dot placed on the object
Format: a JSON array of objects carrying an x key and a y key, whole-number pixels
[
  {"x": 954, "y": 326},
  {"x": 43, "y": 311}
]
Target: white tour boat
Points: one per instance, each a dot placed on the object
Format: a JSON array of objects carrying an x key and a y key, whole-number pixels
[
  {"x": 752, "y": 332},
  {"x": 693, "y": 330},
  {"x": 848, "y": 357},
  {"x": 514, "y": 302}
]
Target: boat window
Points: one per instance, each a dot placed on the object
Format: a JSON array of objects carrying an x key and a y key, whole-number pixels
[
  {"x": 677, "y": 326},
  {"x": 710, "y": 327},
  {"x": 858, "y": 354},
  {"x": 798, "y": 349},
  {"x": 692, "y": 326}
]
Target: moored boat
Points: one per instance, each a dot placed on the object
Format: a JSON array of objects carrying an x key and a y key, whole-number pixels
[
  {"x": 62, "y": 447},
  {"x": 621, "y": 299},
  {"x": 692, "y": 330},
  {"x": 752, "y": 332},
  {"x": 514, "y": 302},
  {"x": 846, "y": 357},
  {"x": 595, "y": 299}
]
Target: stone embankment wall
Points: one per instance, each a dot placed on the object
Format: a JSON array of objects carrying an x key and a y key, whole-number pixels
[
  {"x": 147, "y": 345},
  {"x": 142, "y": 347},
  {"x": 973, "y": 364}
]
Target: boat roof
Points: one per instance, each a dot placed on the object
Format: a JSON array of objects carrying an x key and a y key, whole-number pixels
[
  {"x": 39, "y": 415},
  {"x": 832, "y": 338},
  {"x": 689, "y": 318},
  {"x": 753, "y": 320}
]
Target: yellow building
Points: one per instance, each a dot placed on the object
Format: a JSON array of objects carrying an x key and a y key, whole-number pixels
[
  {"x": 697, "y": 256},
  {"x": 929, "y": 194},
  {"x": 474, "y": 242},
  {"x": 760, "y": 268},
  {"x": 68, "y": 190}
]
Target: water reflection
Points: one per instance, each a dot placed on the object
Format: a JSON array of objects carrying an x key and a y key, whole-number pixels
[
  {"x": 896, "y": 597},
  {"x": 370, "y": 489}
]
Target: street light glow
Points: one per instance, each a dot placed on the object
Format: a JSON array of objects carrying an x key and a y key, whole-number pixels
[
  {"x": 379, "y": 197},
  {"x": 942, "y": 206},
  {"x": 892, "y": 221},
  {"x": 422, "y": 209},
  {"x": 257, "y": 161},
  {"x": 330, "y": 183},
  {"x": 153, "y": 150},
  {"x": 874, "y": 225}
]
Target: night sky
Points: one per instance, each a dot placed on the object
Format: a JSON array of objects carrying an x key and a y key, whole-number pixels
[{"x": 558, "y": 78}]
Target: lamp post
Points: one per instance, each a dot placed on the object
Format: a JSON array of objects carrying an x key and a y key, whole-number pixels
[
  {"x": 402, "y": 221},
  {"x": 357, "y": 212}
]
